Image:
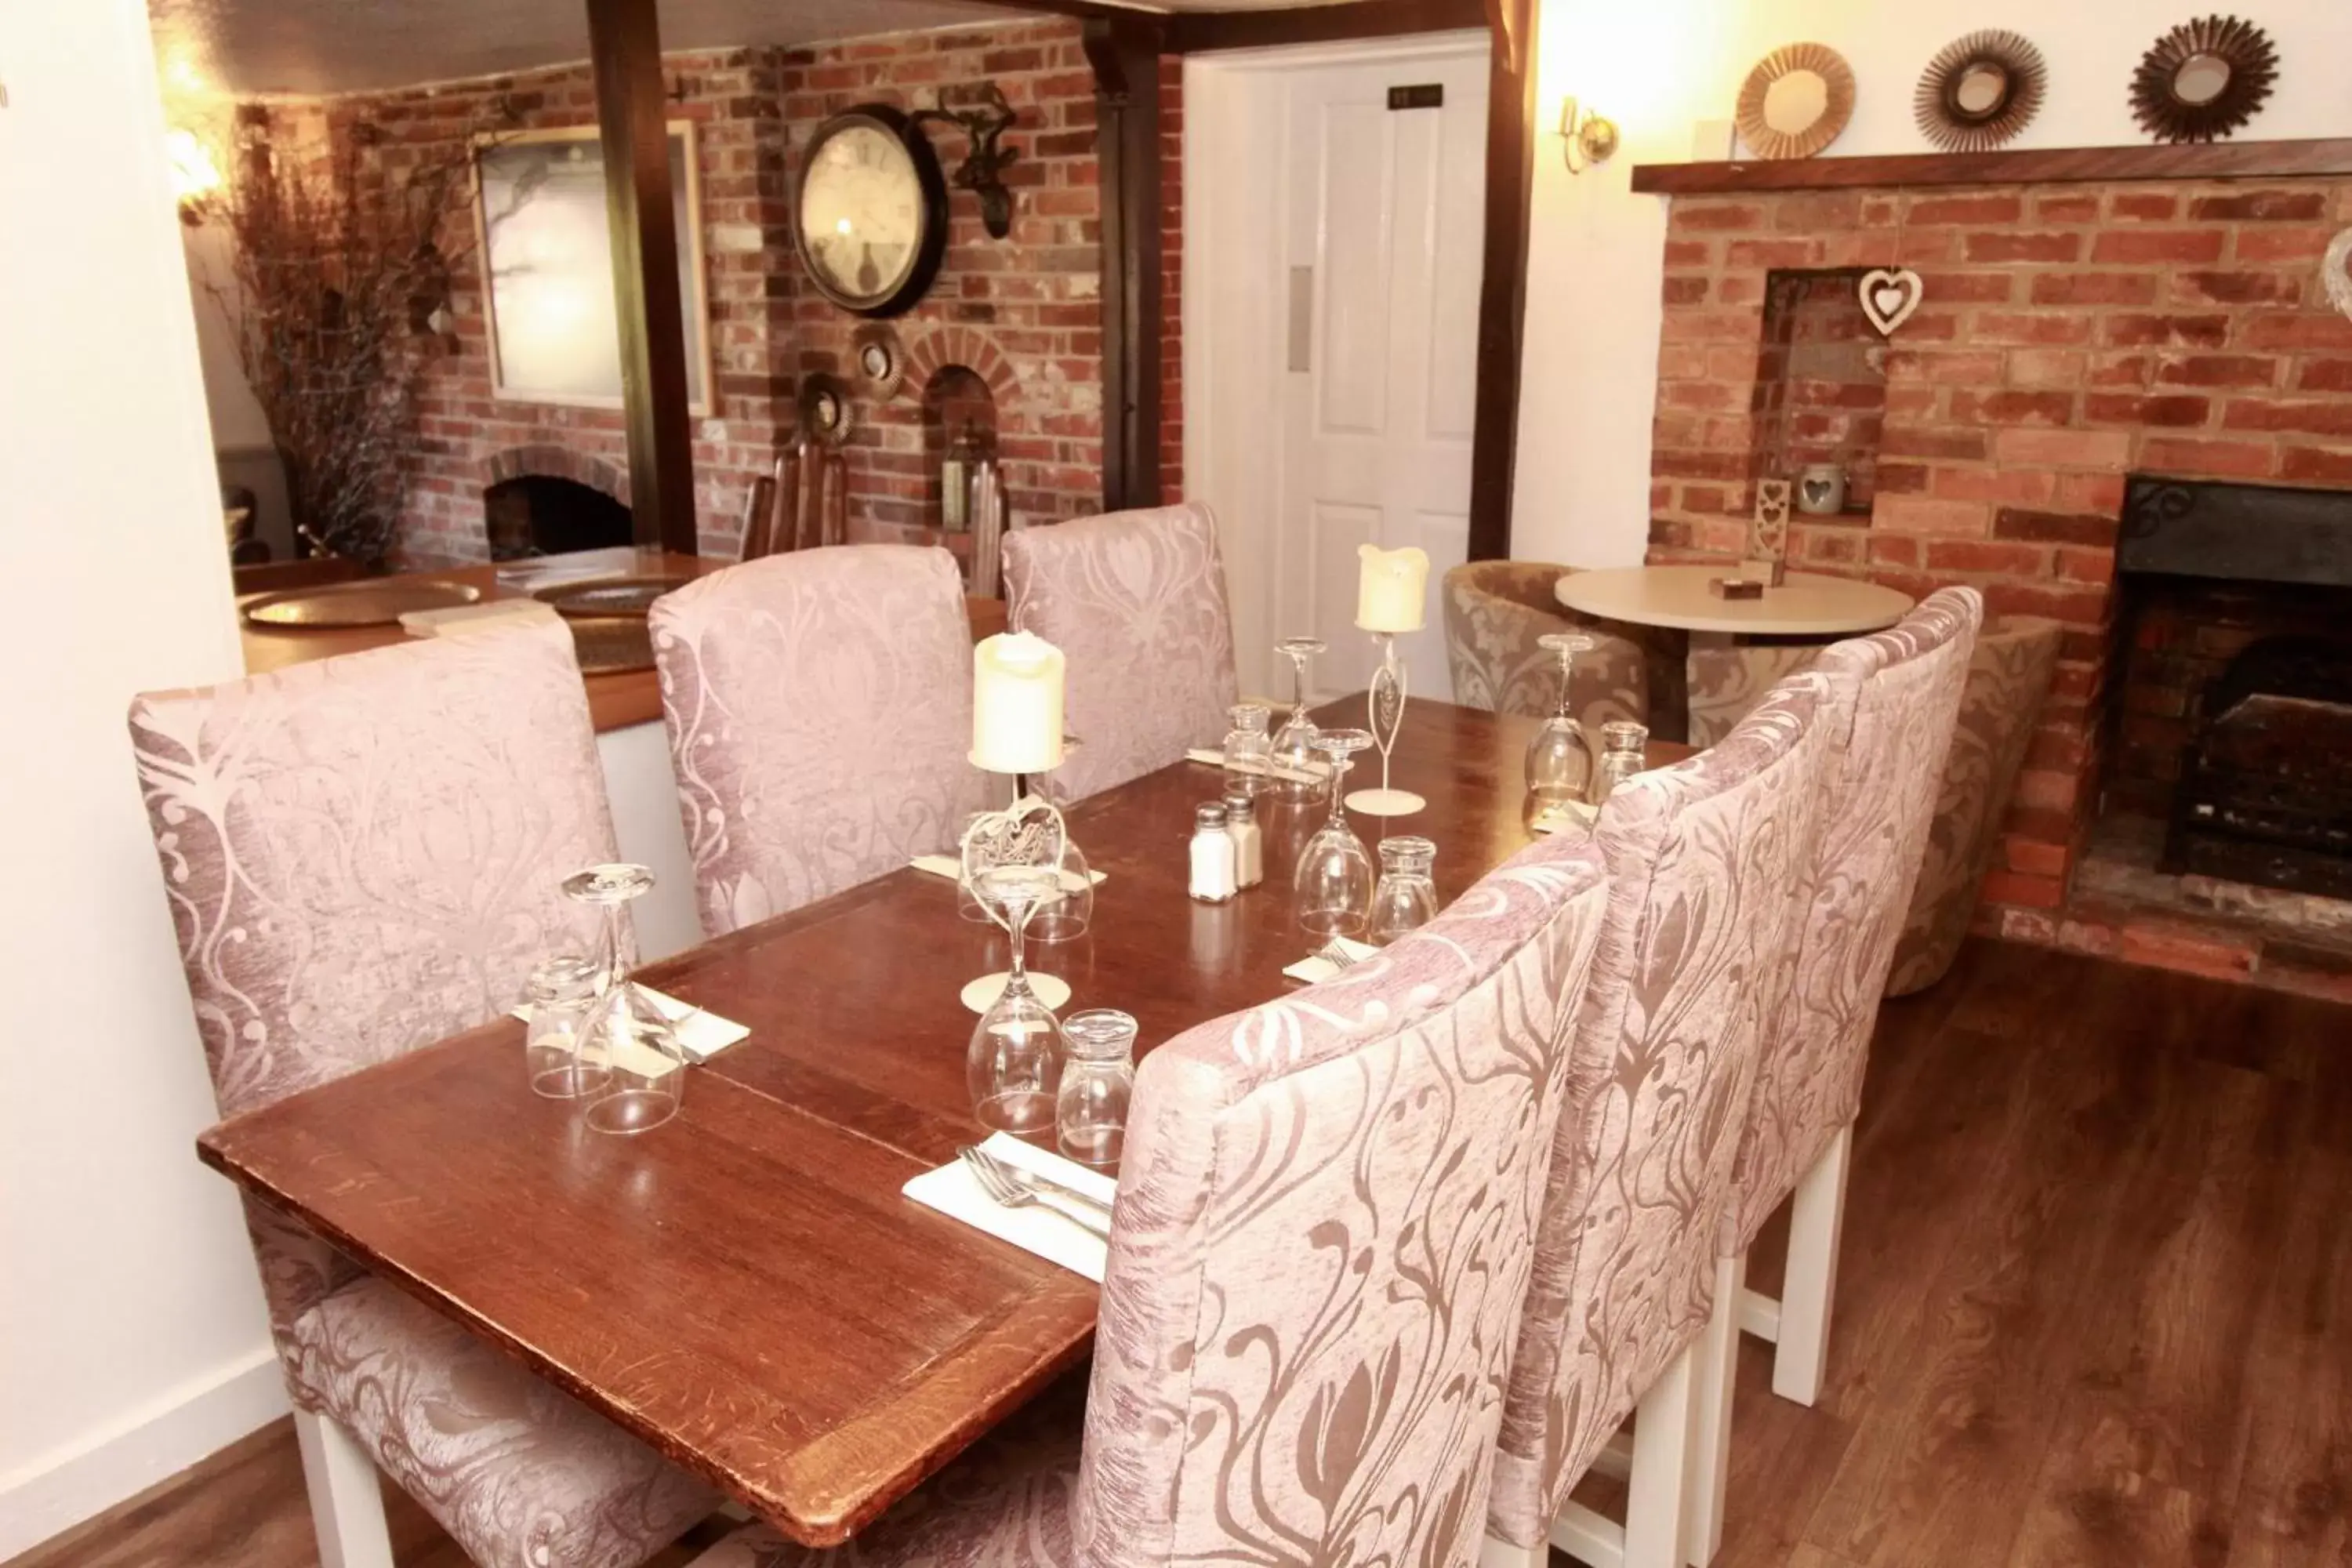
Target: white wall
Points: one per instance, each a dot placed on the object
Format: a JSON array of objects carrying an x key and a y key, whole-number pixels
[
  {"x": 1659, "y": 67},
  {"x": 235, "y": 413},
  {"x": 131, "y": 1334}
]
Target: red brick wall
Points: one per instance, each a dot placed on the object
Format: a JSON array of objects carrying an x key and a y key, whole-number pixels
[
  {"x": 2070, "y": 334},
  {"x": 1024, "y": 312}
]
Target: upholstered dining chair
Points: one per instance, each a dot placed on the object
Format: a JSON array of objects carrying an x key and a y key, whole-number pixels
[
  {"x": 1704, "y": 859},
  {"x": 361, "y": 857},
  {"x": 1494, "y": 610},
  {"x": 1895, "y": 698},
  {"x": 819, "y": 710},
  {"x": 1136, "y": 602},
  {"x": 2008, "y": 680},
  {"x": 1325, "y": 1221}
]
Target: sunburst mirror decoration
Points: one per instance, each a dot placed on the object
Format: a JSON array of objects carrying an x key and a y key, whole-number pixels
[
  {"x": 2203, "y": 79},
  {"x": 1979, "y": 91},
  {"x": 1795, "y": 101}
]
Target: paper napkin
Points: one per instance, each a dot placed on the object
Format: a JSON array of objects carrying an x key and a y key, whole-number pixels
[
  {"x": 701, "y": 1034},
  {"x": 1216, "y": 759},
  {"x": 955, "y": 1192},
  {"x": 1315, "y": 970}
]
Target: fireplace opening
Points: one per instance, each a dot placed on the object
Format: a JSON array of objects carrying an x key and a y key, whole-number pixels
[
  {"x": 2228, "y": 778},
  {"x": 541, "y": 514}
]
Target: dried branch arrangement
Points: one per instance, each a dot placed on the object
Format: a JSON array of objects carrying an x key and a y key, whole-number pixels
[{"x": 342, "y": 267}]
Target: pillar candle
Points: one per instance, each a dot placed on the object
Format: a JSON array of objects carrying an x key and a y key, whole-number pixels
[
  {"x": 1390, "y": 588},
  {"x": 1016, "y": 704}
]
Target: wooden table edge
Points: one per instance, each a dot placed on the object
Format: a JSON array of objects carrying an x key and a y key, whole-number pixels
[{"x": 828, "y": 1516}]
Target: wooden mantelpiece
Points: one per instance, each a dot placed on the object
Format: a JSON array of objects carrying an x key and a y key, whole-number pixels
[{"x": 2043, "y": 165}]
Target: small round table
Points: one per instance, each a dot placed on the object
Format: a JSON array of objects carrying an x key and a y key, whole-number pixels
[{"x": 1806, "y": 605}]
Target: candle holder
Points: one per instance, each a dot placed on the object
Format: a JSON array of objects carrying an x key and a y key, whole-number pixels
[
  {"x": 1386, "y": 700},
  {"x": 1029, "y": 833}
]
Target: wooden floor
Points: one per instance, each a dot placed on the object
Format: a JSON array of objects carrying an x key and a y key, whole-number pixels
[{"x": 2095, "y": 1307}]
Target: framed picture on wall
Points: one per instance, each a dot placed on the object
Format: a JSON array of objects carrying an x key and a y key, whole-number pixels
[{"x": 546, "y": 249}]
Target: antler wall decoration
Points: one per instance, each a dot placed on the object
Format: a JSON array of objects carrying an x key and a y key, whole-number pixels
[{"x": 984, "y": 160}]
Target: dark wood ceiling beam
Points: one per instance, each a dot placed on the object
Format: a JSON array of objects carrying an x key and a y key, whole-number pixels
[
  {"x": 1196, "y": 32},
  {"x": 2038, "y": 165},
  {"x": 1124, "y": 54},
  {"x": 624, "y": 56},
  {"x": 1503, "y": 281}
]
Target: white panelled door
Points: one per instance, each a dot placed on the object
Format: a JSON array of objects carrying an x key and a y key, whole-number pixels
[{"x": 1383, "y": 216}]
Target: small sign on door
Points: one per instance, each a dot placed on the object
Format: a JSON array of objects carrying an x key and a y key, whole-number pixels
[{"x": 1420, "y": 95}]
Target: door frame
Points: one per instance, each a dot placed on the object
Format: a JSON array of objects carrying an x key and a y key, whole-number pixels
[{"x": 1234, "y": 299}]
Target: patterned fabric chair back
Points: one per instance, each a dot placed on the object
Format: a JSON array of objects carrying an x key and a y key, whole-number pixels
[
  {"x": 2001, "y": 707},
  {"x": 1136, "y": 601},
  {"x": 1494, "y": 610},
  {"x": 819, "y": 710},
  {"x": 1898, "y": 694},
  {"x": 363, "y": 856},
  {"x": 1704, "y": 859},
  {"x": 1325, "y": 1222}
]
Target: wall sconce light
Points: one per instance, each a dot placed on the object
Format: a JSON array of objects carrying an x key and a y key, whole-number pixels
[
  {"x": 195, "y": 175},
  {"x": 1588, "y": 138}
]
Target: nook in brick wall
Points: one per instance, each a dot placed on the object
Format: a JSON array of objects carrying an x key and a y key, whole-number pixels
[{"x": 2070, "y": 335}]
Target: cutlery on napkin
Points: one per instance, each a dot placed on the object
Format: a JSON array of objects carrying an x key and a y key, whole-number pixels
[
  {"x": 1216, "y": 759},
  {"x": 953, "y": 1191},
  {"x": 702, "y": 1033},
  {"x": 950, "y": 868},
  {"x": 1314, "y": 968}
]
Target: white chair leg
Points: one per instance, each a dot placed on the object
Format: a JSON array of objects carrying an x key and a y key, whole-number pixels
[
  {"x": 346, "y": 1497},
  {"x": 1658, "y": 1492},
  {"x": 1718, "y": 1369},
  {"x": 1496, "y": 1552},
  {"x": 1816, "y": 1216}
]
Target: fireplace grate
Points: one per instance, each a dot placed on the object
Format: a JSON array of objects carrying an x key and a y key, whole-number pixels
[{"x": 2266, "y": 795}]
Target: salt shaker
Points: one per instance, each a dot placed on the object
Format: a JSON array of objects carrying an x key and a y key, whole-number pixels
[
  {"x": 1249, "y": 840},
  {"x": 1213, "y": 868}
]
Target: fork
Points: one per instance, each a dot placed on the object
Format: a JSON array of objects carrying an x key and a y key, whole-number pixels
[
  {"x": 1004, "y": 1189},
  {"x": 1335, "y": 952}
]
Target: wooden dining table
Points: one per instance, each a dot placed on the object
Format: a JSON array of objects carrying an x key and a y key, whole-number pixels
[{"x": 745, "y": 1288}]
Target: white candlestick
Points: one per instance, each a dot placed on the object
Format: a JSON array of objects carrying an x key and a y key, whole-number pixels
[
  {"x": 1390, "y": 588},
  {"x": 1016, "y": 704}
]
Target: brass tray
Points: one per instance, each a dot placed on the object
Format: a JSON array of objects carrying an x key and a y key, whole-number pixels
[
  {"x": 607, "y": 598},
  {"x": 378, "y": 603},
  {"x": 610, "y": 645}
]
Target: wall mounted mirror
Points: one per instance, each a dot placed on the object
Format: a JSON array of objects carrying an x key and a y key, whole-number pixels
[
  {"x": 1980, "y": 91},
  {"x": 1795, "y": 101},
  {"x": 2203, "y": 79}
]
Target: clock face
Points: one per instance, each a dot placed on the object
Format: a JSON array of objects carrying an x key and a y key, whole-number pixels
[{"x": 868, "y": 219}]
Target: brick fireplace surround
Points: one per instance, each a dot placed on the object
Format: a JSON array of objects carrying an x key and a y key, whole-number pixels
[{"x": 2070, "y": 334}]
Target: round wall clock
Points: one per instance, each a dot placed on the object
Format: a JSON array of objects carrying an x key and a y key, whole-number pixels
[{"x": 870, "y": 214}]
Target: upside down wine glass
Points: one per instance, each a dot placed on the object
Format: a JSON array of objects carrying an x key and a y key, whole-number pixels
[
  {"x": 1334, "y": 879},
  {"x": 1013, "y": 1064},
  {"x": 1294, "y": 744},
  {"x": 1560, "y": 759},
  {"x": 626, "y": 1033}
]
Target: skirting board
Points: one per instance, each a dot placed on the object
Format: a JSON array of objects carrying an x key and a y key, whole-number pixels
[{"x": 57, "y": 1492}]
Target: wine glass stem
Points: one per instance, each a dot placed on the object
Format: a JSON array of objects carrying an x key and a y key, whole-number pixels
[
  {"x": 1566, "y": 685},
  {"x": 614, "y": 971},
  {"x": 1339, "y": 785},
  {"x": 1019, "y": 978},
  {"x": 1298, "y": 687}
]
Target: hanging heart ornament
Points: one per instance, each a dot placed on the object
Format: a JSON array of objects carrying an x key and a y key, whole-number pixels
[
  {"x": 1888, "y": 298},
  {"x": 2332, "y": 275}
]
